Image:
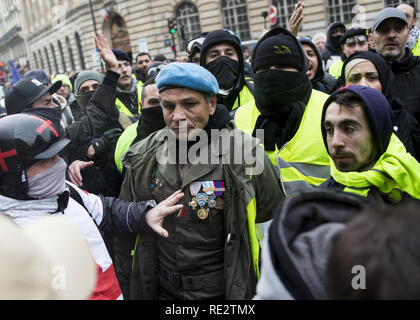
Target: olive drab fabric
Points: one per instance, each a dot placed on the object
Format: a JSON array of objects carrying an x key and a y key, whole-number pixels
[
  {"x": 246, "y": 203},
  {"x": 122, "y": 108},
  {"x": 303, "y": 161}
]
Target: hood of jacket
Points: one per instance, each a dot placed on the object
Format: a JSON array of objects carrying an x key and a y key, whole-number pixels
[
  {"x": 329, "y": 45},
  {"x": 219, "y": 36},
  {"x": 320, "y": 73},
  {"x": 299, "y": 242}
]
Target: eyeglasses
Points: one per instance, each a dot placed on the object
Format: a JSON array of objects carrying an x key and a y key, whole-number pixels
[{"x": 361, "y": 40}]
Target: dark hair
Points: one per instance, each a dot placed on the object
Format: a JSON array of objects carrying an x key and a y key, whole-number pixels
[
  {"x": 143, "y": 54},
  {"x": 385, "y": 243},
  {"x": 149, "y": 81},
  {"x": 160, "y": 57},
  {"x": 347, "y": 99}
]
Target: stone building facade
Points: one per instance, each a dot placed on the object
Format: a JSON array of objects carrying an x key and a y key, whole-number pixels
[
  {"x": 12, "y": 42},
  {"x": 59, "y": 33}
]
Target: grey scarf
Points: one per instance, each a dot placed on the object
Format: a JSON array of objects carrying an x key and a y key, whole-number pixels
[{"x": 48, "y": 183}]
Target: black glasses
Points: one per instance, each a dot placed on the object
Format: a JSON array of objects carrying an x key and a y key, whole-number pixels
[{"x": 361, "y": 40}]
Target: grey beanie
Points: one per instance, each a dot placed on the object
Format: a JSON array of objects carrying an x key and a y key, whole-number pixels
[{"x": 84, "y": 76}]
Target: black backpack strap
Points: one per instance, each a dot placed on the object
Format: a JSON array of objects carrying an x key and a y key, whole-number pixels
[{"x": 76, "y": 196}]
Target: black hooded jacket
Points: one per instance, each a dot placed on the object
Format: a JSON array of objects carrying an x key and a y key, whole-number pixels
[
  {"x": 330, "y": 50},
  {"x": 217, "y": 37},
  {"x": 322, "y": 81},
  {"x": 407, "y": 82}
]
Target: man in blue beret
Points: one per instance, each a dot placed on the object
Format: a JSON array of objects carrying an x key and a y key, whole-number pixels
[{"x": 210, "y": 248}]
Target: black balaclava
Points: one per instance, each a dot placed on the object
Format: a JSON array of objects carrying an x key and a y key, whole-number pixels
[
  {"x": 228, "y": 72},
  {"x": 333, "y": 43},
  {"x": 151, "y": 120},
  {"x": 280, "y": 96}
]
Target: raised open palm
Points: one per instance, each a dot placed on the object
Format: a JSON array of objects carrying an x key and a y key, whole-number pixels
[{"x": 106, "y": 53}]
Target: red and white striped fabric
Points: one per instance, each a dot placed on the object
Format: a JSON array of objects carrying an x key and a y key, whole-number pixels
[{"x": 107, "y": 287}]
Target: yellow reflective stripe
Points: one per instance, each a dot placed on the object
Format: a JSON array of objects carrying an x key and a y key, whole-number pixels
[
  {"x": 292, "y": 174},
  {"x": 122, "y": 108},
  {"x": 253, "y": 239},
  {"x": 133, "y": 252},
  {"x": 124, "y": 143}
]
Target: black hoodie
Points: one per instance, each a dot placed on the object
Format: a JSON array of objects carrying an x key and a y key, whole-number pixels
[
  {"x": 407, "y": 82},
  {"x": 322, "y": 81},
  {"x": 331, "y": 50},
  {"x": 216, "y": 37}
]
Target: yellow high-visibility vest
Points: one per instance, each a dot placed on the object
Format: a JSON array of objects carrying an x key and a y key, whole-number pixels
[
  {"x": 122, "y": 108},
  {"x": 303, "y": 161}
]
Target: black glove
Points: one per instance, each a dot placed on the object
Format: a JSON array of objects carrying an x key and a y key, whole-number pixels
[{"x": 105, "y": 143}]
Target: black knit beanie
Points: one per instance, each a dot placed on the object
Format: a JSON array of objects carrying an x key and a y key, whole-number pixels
[
  {"x": 121, "y": 55},
  {"x": 280, "y": 49}
]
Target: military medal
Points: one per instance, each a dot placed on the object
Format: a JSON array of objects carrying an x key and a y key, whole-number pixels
[
  {"x": 220, "y": 205},
  {"x": 202, "y": 201},
  {"x": 219, "y": 190},
  {"x": 212, "y": 203},
  {"x": 209, "y": 188},
  {"x": 203, "y": 214},
  {"x": 194, "y": 189},
  {"x": 193, "y": 204}
]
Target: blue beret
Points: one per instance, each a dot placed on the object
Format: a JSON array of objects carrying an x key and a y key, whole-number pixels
[{"x": 186, "y": 75}]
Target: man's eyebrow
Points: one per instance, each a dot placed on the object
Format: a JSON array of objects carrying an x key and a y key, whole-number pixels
[
  {"x": 343, "y": 122},
  {"x": 350, "y": 122}
]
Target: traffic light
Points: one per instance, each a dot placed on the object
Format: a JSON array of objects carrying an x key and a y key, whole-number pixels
[
  {"x": 172, "y": 25},
  {"x": 173, "y": 48}
]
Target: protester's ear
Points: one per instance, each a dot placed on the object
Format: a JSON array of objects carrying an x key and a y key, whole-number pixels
[{"x": 213, "y": 105}]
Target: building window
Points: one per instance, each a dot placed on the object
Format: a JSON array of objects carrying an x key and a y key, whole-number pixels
[
  {"x": 41, "y": 59},
  {"x": 48, "y": 60},
  {"x": 235, "y": 18},
  {"x": 55, "y": 59},
  {"x": 71, "y": 58},
  {"x": 36, "y": 60},
  {"x": 284, "y": 11},
  {"x": 188, "y": 23},
  {"x": 63, "y": 61},
  {"x": 79, "y": 48},
  {"x": 340, "y": 11}
]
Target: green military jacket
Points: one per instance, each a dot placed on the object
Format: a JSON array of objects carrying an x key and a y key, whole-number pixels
[{"x": 242, "y": 193}]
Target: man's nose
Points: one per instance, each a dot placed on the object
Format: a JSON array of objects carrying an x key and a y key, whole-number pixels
[
  {"x": 179, "y": 114},
  {"x": 337, "y": 141}
]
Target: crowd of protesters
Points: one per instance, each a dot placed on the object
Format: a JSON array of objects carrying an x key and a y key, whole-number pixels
[{"x": 224, "y": 175}]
